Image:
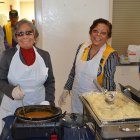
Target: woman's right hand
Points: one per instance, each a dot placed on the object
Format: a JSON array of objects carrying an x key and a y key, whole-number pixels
[
  {"x": 18, "y": 93},
  {"x": 63, "y": 96}
]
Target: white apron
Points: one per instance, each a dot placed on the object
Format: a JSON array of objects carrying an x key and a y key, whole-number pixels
[
  {"x": 30, "y": 79},
  {"x": 85, "y": 73}
]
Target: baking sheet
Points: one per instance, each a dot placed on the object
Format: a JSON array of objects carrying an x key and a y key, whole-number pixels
[{"x": 123, "y": 108}]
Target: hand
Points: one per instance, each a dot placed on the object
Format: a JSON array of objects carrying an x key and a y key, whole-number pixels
[
  {"x": 62, "y": 99},
  {"x": 18, "y": 93}
]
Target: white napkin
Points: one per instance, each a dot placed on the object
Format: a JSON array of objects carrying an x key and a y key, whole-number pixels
[{"x": 44, "y": 103}]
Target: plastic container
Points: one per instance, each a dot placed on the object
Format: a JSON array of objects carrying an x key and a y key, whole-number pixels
[{"x": 75, "y": 128}]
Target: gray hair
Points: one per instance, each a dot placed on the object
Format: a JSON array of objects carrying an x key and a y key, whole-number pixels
[{"x": 25, "y": 21}]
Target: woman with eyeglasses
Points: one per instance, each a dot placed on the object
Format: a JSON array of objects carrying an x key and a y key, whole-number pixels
[
  {"x": 95, "y": 61},
  {"x": 25, "y": 72}
]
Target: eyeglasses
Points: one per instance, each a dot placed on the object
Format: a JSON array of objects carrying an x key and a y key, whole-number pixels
[
  {"x": 19, "y": 34},
  {"x": 96, "y": 32}
]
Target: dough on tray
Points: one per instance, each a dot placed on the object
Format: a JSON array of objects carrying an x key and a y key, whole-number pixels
[{"x": 122, "y": 108}]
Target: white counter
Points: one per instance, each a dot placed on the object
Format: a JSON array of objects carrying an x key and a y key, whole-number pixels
[{"x": 128, "y": 75}]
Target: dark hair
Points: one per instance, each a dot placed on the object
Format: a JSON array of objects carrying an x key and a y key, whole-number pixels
[
  {"x": 25, "y": 21},
  {"x": 13, "y": 13},
  {"x": 104, "y": 21}
]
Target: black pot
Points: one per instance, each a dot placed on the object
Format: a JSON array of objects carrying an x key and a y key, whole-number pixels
[{"x": 56, "y": 111}]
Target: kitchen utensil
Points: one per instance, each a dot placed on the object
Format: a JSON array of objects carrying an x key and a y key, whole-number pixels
[
  {"x": 130, "y": 92},
  {"x": 56, "y": 111},
  {"x": 22, "y": 102},
  {"x": 113, "y": 128},
  {"x": 23, "y": 107},
  {"x": 109, "y": 96},
  {"x": 99, "y": 87},
  {"x": 41, "y": 129}
]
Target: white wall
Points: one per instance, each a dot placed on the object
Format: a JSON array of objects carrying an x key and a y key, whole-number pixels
[
  {"x": 128, "y": 75},
  {"x": 27, "y": 10},
  {"x": 64, "y": 24},
  {"x": 5, "y": 8}
]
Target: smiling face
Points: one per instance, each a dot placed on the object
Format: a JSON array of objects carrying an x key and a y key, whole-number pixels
[
  {"x": 25, "y": 36},
  {"x": 99, "y": 35}
]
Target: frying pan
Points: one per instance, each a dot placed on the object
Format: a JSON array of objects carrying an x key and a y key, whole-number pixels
[{"x": 56, "y": 111}]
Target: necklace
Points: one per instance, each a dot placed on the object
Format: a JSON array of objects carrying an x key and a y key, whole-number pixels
[{"x": 92, "y": 52}]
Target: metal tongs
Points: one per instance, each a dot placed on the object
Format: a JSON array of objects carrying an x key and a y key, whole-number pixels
[{"x": 109, "y": 96}]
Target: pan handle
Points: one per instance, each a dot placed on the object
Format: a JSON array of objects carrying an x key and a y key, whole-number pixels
[{"x": 126, "y": 129}]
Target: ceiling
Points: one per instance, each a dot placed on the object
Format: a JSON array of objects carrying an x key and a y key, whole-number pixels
[
  {"x": 2, "y": 1},
  {"x": 26, "y": 0}
]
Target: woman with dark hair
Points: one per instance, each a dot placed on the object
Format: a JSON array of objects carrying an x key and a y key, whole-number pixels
[
  {"x": 95, "y": 60},
  {"x": 25, "y": 72}
]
